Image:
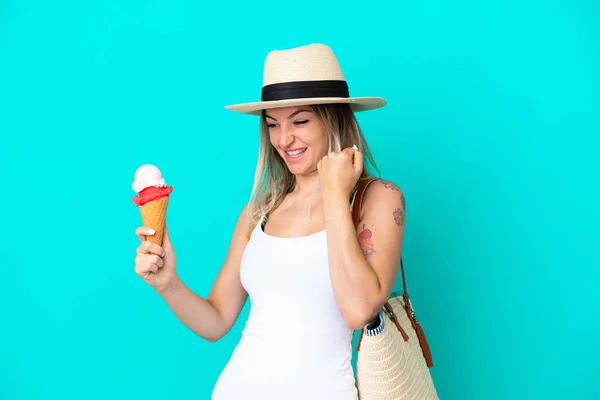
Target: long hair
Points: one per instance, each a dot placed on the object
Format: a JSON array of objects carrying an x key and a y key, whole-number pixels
[{"x": 272, "y": 178}]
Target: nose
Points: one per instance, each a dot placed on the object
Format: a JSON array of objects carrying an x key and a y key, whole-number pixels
[{"x": 286, "y": 138}]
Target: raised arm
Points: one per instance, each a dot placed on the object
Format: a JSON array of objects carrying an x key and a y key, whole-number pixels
[{"x": 364, "y": 260}]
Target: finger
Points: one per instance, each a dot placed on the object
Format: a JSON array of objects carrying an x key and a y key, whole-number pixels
[
  {"x": 148, "y": 247},
  {"x": 145, "y": 268},
  {"x": 151, "y": 258},
  {"x": 358, "y": 162},
  {"x": 321, "y": 162},
  {"x": 144, "y": 231},
  {"x": 348, "y": 151},
  {"x": 347, "y": 154}
]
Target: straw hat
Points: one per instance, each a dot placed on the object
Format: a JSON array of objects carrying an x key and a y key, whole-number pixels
[{"x": 303, "y": 76}]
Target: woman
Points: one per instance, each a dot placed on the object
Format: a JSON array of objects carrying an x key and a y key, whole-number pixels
[{"x": 312, "y": 276}]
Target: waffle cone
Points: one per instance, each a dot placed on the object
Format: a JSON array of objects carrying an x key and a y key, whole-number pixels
[{"x": 154, "y": 215}]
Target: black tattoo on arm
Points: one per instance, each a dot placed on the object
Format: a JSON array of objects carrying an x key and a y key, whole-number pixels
[
  {"x": 399, "y": 216},
  {"x": 395, "y": 188},
  {"x": 390, "y": 185}
]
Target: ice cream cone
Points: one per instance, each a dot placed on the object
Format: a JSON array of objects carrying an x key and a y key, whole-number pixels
[
  {"x": 154, "y": 215},
  {"x": 152, "y": 200}
]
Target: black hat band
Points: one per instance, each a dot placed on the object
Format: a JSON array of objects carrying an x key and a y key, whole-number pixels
[{"x": 304, "y": 89}]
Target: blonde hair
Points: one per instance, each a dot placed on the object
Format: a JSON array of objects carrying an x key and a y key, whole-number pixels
[{"x": 272, "y": 178}]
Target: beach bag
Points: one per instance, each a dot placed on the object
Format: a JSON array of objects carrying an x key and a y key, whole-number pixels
[{"x": 393, "y": 356}]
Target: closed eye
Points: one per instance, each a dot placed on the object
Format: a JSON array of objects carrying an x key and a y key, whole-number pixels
[{"x": 300, "y": 122}]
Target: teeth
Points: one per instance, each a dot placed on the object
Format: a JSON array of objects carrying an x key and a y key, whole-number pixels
[{"x": 295, "y": 152}]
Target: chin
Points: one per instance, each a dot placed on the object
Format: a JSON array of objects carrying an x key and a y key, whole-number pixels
[
  {"x": 297, "y": 169},
  {"x": 300, "y": 168}
]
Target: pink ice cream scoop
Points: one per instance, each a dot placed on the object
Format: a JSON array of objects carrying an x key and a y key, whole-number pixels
[
  {"x": 152, "y": 199},
  {"x": 147, "y": 175}
]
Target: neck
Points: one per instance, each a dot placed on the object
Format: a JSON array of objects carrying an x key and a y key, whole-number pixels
[
  {"x": 307, "y": 185},
  {"x": 307, "y": 191}
]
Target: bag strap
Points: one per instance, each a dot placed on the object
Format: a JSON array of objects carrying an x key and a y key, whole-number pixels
[{"x": 356, "y": 209}]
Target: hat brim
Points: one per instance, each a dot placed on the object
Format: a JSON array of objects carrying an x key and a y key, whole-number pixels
[{"x": 357, "y": 104}]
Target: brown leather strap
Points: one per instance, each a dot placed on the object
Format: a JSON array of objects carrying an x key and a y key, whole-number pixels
[
  {"x": 356, "y": 210},
  {"x": 362, "y": 332},
  {"x": 358, "y": 199},
  {"x": 387, "y": 306}
]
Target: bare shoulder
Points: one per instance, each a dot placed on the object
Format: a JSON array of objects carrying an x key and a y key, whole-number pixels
[
  {"x": 244, "y": 225},
  {"x": 385, "y": 198}
]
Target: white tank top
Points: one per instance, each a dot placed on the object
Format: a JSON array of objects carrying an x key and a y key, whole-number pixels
[{"x": 295, "y": 344}]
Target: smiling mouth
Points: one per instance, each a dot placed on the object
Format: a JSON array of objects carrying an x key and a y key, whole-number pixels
[{"x": 295, "y": 153}]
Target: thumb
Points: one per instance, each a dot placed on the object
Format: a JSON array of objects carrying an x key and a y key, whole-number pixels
[{"x": 358, "y": 163}]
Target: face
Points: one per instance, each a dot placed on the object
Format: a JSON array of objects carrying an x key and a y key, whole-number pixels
[{"x": 298, "y": 136}]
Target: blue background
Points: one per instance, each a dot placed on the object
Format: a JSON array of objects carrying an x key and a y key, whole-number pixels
[{"x": 491, "y": 131}]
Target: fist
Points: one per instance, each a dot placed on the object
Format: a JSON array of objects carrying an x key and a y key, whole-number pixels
[
  {"x": 153, "y": 263},
  {"x": 339, "y": 172}
]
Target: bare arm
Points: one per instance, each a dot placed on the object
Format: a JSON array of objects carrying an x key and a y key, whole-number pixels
[
  {"x": 364, "y": 260},
  {"x": 213, "y": 317}
]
